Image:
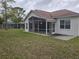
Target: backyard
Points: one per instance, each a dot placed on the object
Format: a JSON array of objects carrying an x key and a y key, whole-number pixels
[{"x": 17, "y": 44}]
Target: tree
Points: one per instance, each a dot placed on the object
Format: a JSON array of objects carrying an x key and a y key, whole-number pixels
[
  {"x": 5, "y": 4},
  {"x": 17, "y": 15},
  {"x": 1, "y": 20}
]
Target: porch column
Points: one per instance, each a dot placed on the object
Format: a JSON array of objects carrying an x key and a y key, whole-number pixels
[
  {"x": 46, "y": 28},
  {"x": 38, "y": 25},
  {"x": 28, "y": 25},
  {"x": 33, "y": 26},
  {"x": 51, "y": 27},
  {"x": 25, "y": 26}
]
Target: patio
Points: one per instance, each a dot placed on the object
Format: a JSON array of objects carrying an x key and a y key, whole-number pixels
[{"x": 64, "y": 37}]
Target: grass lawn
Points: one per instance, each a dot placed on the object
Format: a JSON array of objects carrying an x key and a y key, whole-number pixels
[{"x": 16, "y": 44}]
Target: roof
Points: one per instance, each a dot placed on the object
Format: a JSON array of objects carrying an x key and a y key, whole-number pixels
[
  {"x": 54, "y": 14},
  {"x": 43, "y": 14},
  {"x": 63, "y": 13}
]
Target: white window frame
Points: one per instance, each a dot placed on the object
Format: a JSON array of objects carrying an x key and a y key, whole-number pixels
[{"x": 65, "y": 23}]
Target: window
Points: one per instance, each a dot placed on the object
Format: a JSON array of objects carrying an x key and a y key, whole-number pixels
[
  {"x": 62, "y": 24},
  {"x": 65, "y": 24}
]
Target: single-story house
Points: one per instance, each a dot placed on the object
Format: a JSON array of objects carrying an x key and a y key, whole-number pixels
[{"x": 64, "y": 22}]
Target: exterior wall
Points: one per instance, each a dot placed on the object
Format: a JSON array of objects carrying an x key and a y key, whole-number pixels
[
  {"x": 27, "y": 22},
  {"x": 74, "y": 30},
  {"x": 26, "y": 26},
  {"x": 78, "y": 25}
]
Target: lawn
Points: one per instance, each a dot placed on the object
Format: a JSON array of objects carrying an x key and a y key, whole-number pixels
[{"x": 17, "y": 44}]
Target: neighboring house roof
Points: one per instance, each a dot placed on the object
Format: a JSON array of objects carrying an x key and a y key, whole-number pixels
[{"x": 54, "y": 14}]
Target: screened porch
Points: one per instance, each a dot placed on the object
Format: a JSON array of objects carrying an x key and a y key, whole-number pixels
[{"x": 40, "y": 25}]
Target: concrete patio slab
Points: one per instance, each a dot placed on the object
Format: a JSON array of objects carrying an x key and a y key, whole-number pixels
[
  {"x": 64, "y": 37},
  {"x": 61, "y": 37}
]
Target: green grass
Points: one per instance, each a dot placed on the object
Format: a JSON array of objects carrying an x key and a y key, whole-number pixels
[{"x": 17, "y": 44}]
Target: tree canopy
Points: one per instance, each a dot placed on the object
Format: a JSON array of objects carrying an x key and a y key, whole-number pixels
[{"x": 15, "y": 14}]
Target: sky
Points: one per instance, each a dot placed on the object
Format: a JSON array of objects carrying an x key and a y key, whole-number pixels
[{"x": 48, "y": 5}]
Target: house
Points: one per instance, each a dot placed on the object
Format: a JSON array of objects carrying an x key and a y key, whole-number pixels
[{"x": 64, "y": 22}]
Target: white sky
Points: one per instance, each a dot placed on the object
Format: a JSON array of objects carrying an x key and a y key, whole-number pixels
[{"x": 48, "y": 5}]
